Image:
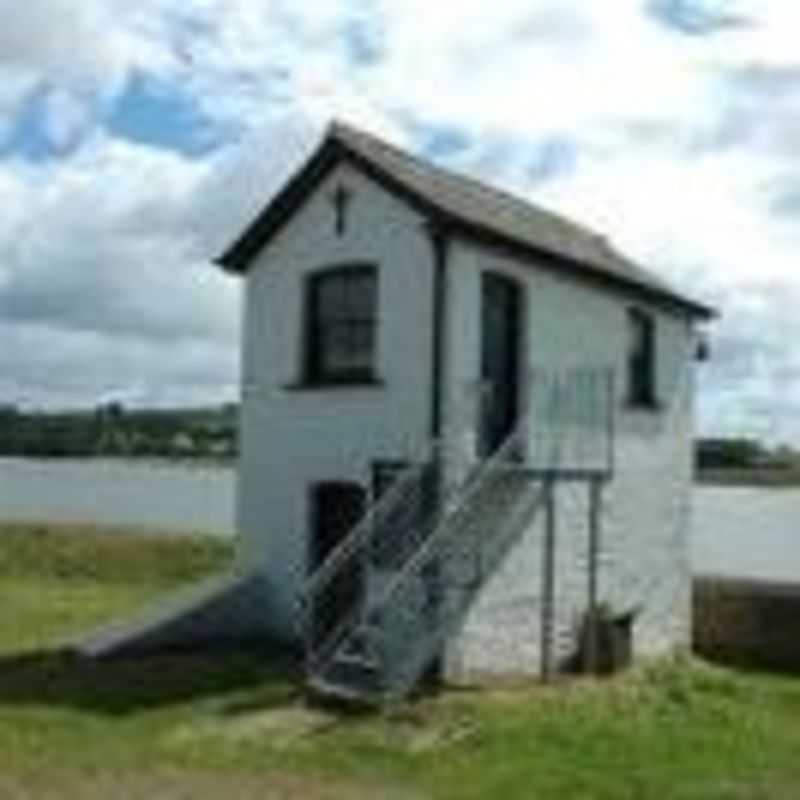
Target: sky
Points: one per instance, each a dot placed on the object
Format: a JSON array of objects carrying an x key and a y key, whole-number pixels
[{"x": 137, "y": 139}]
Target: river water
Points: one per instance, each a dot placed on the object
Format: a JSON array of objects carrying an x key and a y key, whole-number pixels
[
  {"x": 740, "y": 532},
  {"x": 113, "y": 492}
]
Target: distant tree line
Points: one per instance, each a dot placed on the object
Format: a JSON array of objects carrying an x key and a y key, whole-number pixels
[
  {"x": 113, "y": 430},
  {"x": 741, "y": 453},
  {"x": 211, "y": 432}
]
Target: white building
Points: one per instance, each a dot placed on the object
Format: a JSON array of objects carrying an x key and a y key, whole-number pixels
[{"x": 466, "y": 422}]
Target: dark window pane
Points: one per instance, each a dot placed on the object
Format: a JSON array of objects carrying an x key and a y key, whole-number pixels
[
  {"x": 334, "y": 348},
  {"x": 345, "y": 348},
  {"x": 331, "y": 297},
  {"x": 361, "y": 341},
  {"x": 641, "y": 358},
  {"x": 341, "y": 324},
  {"x": 360, "y": 302}
]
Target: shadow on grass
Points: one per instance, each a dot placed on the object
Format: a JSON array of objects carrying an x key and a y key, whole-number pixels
[
  {"x": 118, "y": 686},
  {"x": 755, "y": 661}
]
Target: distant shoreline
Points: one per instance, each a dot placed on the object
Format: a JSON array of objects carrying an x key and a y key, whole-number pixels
[
  {"x": 744, "y": 477},
  {"x": 223, "y": 462}
]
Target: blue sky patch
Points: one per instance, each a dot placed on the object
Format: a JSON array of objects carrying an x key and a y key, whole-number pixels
[
  {"x": 695, "y": 17},
  {"x": 784, "y": 199},
  {"x": 556, "y": 155},
  {"x": 543, "y": 158},
  {"x": 363, "y": 42},
  {"x": 161, "y": 115},
  {"x": 29, "y": 137},
  {"x": 439, "y": 142}
]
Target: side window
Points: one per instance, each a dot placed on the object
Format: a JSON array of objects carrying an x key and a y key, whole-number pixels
[
  {"x": 341, "y": 320},
  {"x": 641, "y": 366}
]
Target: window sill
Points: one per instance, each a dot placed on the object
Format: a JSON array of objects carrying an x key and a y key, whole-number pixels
[
  {"x": 323, "y": 385},
  {"x": 645, "y": 406}
]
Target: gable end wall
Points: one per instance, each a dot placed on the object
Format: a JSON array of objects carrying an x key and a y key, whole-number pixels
[{"x": 291, "y": 439}]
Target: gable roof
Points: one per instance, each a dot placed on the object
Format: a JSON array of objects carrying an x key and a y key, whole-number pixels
[{"x": 463, "y": 205}]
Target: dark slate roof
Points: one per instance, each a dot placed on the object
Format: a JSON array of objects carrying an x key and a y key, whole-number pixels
[{"x": 465, "y": 205}]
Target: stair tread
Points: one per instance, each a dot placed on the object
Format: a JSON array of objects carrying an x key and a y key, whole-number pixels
[
  {"x": 342, "y": 691},
  {"x": 356, "y": 659}
]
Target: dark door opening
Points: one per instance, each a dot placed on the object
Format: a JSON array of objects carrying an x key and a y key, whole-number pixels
[
  {"x": 336, "y": 509},
  {"x": 501, "y": 326}
]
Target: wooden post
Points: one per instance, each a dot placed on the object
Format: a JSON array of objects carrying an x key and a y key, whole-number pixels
[
  {"x": 548, "y": 581},
  {"x": 590, "y": 655}
]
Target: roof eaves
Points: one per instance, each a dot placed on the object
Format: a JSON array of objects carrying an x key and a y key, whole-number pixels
[
  {"x": 334, "y": 148},
  {"x": 558, "y": 262},
  {"x": 337, "y": 146},
  {"x": 237, "y": 256}
]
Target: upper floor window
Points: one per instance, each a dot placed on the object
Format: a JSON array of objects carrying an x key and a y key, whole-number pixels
[
  {"x": 641, "y": 358},
  {"x": 341, "y": 321}
]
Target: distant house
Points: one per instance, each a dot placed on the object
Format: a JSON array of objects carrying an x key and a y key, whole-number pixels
[
  {"x": 182, "y": 444},
  {"x": 465, "y": 434}
]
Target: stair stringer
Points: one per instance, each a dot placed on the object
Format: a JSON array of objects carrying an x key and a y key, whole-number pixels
[{"x": 427, "y": 607}]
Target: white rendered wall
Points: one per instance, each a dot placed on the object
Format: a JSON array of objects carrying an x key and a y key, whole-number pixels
[
  {"x": 644, "y": 565},
  {"x": 291, "y": 439}
]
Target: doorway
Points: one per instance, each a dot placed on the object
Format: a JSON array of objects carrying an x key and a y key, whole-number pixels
[
  {"x": 501, "y": 328},
  {"x": 336, "y": 507}
]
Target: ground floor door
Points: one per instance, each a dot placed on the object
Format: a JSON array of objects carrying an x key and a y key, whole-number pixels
[
  {"x": 501, "y": 328},
  {"x": 335, "y": 509}
]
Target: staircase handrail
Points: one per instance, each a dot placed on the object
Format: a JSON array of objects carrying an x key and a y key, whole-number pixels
[
  {"x": 539, "y": 434},
  {"x": 360, "y": 534},
  {"x": 514, "y": 452},
  {"x": 473, "y": 486}
]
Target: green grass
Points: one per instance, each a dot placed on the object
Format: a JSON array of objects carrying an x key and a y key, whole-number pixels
[
  {"x": 235, "y": 725},
  {"x": 57, "y": 581}
]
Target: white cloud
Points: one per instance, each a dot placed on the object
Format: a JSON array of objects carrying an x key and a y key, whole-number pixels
[
  {"x": 81, "y": 53},
  {"x": 682, "y": 147},
  {"x": 77, "y": 42},
  {"x": 105, "y": 282}
]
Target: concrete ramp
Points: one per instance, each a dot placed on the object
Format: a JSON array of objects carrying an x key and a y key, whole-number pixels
[{"x": 223, "y": 609}]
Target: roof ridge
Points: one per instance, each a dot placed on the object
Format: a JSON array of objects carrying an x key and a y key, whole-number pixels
[
  {"x": 489, "y": 212},
  {"x": 344, "y": 132}
]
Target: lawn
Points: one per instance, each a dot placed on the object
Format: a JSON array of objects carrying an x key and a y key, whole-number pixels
[{"x": 236, "y": 725}]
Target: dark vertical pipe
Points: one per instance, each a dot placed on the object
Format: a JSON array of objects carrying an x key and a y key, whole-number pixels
[
  {"x": 439, "y": 243},
  {"x": 548, "y": 580},
  {"x": 611, "y": 432},
  {"x": 595, "y": 489}
]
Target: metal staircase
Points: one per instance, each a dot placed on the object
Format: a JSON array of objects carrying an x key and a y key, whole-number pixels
[{"x": 424, "y": 550}]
